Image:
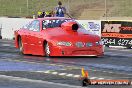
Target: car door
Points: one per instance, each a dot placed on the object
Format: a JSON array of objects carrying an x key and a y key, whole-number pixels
[
  {"x": 35, "y": 38},
  {"x": 24, "y": 33}
]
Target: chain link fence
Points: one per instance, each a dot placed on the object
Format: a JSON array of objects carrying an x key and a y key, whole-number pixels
[{"x": 87, "y": 9}]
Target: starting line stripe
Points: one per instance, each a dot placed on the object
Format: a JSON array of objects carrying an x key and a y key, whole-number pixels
[
  {"x": 69, "y": 75},
  {"x": 62, "y": 74},
  {"x": 54, "y": 73},
  {"x": 65, "y": 74},
  {"x": 93, "y": 78}
]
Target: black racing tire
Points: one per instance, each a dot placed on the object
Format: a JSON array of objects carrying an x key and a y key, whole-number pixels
[
  {"x": 107, "y": 45},
  {"x": 47, "y": 49},
  {"x": 21, "y": 49},
  {"x": 129, "y": 47},
  {"x": 0, "y": 37}
]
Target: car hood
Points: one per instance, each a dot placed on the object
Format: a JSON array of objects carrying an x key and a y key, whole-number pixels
[{"x": 59, "y": 34}]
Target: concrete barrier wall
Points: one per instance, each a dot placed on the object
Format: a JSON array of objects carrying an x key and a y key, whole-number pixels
[{"x": 9, "y": 25}]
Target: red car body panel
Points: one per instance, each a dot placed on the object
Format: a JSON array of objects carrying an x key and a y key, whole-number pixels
[{"x": 33, "y": 42}]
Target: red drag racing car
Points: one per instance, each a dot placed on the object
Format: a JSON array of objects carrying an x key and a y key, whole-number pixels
[{"x": 54, "y": 36}]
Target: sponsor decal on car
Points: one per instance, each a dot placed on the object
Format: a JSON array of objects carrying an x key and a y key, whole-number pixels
[{"x": 92, "y": 26}]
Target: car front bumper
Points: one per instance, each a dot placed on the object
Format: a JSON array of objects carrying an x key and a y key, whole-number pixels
[{"x": 74, "y": 51}]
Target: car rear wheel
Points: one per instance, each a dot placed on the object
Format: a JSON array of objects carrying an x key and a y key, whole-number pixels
[
  {"x": 47, "y": 49},
  {"x": 129, "y": 47},
  {"x": 20, "y": 46}
]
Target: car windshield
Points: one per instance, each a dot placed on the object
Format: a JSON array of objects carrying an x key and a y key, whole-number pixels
[{"x": 56, "y": 23}]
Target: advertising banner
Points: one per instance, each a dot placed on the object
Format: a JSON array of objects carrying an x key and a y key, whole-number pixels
[
  {"x": 93, "y": 26},
  {"x": 116, "y": 33}
]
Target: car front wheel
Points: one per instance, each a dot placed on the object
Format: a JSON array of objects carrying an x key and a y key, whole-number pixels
[
  {"x": 47, "y": 49},
  {"x": 20, "y": 46}
]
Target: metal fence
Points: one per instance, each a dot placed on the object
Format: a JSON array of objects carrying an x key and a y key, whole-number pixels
[{"x": 90, "y": 9}]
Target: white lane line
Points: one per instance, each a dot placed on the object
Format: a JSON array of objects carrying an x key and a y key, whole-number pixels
[
  {"x": 7, "y": 45},
  {"x": 60, "y": 65},
  {"x": 100, "y": 78},
  {"x": 116, "y": 47},
  {"x": 110, "y": 72},
  {"x": 62, "y": 74},
  {"x": 69, "y": 66},
  {"x": 39, "y": 71},
  {"x": 54, "y": 73},
  {"x": 76, "y": 76},
  {"x": 104, "y": 71},
  {"x": 113, "y": 49},
  {"x": 53, "y": 64},
  {"x": 69, "y": 75},
  {"x": 38, "y": 81},
  {"x": 47, "y": 72},
  {"x": 93, "y": 77},
  {"x": 94, "y": 70},
  {"x": 65, "y": 74}
]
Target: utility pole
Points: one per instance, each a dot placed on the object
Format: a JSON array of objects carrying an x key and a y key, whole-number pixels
[
  {"x": 68, "y": 6},
  {"x": 27, "y": 6},
  {"x": 105, "y": 9}
]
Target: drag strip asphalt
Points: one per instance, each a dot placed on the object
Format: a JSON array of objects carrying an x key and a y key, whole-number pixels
[
  {"x": 116, "y": 64},
  {"x": 18, "y": 82}
]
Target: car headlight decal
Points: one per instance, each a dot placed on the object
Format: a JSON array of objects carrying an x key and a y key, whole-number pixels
[
  {"x": 99, "y": 43},
  {"x": 62, "y": 43},
  {"x": 79, "y": 44},
  {"x": 88, "y": 44}
]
